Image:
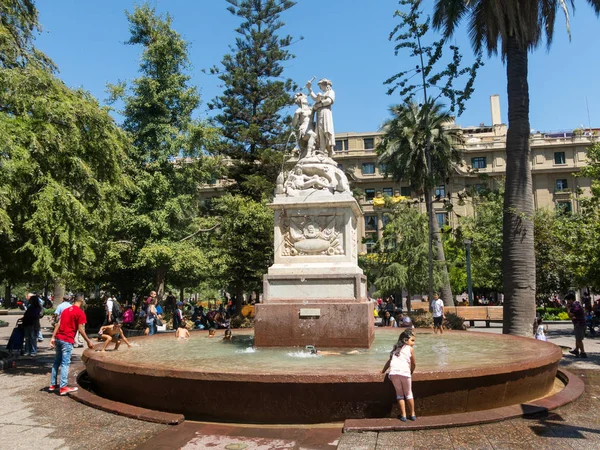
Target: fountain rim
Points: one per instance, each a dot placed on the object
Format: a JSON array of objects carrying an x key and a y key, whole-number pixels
[{"x": 551, "y": 355}]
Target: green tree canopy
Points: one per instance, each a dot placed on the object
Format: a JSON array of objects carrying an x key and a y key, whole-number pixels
[
  {"x": 251, "y": 109},
  {"x": 415, "y": 138},
  {"x": 168, "y": 155}
]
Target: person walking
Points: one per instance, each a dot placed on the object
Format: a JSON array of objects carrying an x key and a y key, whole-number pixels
[
  {"x": 72, "y": 320},
  {"x": 577, "y": 316},
  {"x": 31, "y": 325},
  {"x": 437, "y": 310},
  {"x": 402, "y": 365}
]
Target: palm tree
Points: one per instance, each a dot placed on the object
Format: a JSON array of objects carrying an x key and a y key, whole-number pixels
[
  {"x": 416, "y": 147},
  {"x": 518, "y": 26}
]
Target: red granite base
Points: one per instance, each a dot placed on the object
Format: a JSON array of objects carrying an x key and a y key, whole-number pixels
[{"x": 342, "y": 325}]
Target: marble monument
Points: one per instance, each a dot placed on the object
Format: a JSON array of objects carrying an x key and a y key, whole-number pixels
[{"x": 315, "y": 293}]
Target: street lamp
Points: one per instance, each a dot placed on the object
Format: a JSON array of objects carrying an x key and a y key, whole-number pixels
[{"x": 467, "y": 243}]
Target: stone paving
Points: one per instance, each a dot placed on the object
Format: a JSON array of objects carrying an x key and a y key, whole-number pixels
[{"x": 30, "y": 417}]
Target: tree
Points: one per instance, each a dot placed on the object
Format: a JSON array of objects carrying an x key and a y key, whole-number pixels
[
  {"x": 168, "y": 161},
  {"x": 63, "y": 157},
  {"x": 411, "y": 34},
  {"x": 556, "y": 236},
  {"x": 18, "y": 26},
  {"x": 519, "y": 27},
  {"x": 244, "y": 244},
  {"x": 250, "y": 115},
  {"x": 412, "y": 144},
  {"x": 484, "y": 229},
  {"x": 402, "y": 260}
]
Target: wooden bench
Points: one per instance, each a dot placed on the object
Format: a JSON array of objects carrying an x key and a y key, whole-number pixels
[{"x": 486, "y": 313}]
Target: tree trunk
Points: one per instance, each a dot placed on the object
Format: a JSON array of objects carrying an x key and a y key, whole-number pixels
[
  {"x": 239, "y": 296},
  {"x": 59, "y": 290},
  {"x": 435, "y": 241},
  {"x": 408, "y": 301},
  {"x": 161, "y": 274},
  {"x": 7, "y": 296},
  {"x": 518, "y": 256},
  {"x": 430, "y": 219},
  {"x": 446, "y": 293},
  {"x": 181, "y": 294}
]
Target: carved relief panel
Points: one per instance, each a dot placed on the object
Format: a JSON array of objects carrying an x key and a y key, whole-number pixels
[{"x": 312, "y": 235}]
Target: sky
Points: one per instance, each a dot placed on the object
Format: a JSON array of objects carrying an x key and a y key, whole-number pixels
[{"x": 342, "y": 40}]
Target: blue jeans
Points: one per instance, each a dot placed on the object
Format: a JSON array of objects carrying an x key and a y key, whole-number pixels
[
  {"x": 152, "y": 327},
  {"x": 62, "y": 359},
  {"x": 30, "y": 339}
]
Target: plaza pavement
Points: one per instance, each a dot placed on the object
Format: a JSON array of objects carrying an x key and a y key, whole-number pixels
[{"x": 30, "y": 417}]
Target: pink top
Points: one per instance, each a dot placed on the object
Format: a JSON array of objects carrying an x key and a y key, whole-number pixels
[{"x": 400, "y": 365}]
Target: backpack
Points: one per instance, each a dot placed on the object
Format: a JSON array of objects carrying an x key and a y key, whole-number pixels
[{"x": 116, "y": 310}]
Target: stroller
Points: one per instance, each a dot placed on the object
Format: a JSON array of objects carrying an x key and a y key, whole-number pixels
[{"x": 17, "y": 338}]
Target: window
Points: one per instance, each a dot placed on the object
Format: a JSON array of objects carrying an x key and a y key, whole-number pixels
[
  {"x": 559, "y": 158},
  {"x": 385, "y": 219},
  {"x": 479, "y": 162},
  {"x": 371, "y": 223},
  {"x": 564, "y": 207},
  {"x": 405, "y": 191},
  {"x": 561, "y": 185},
  {"x": 369, "y": 143},
  {"x": 369, "y": 194},
  {"x": 382, "y": 169},
  {"x": 371, "y": 247},
  {"x": 442, "y": 219},
  {"x": 341, "y": 145},
  {"x": 341, "y": 167},
  {"x": 388, "y": 191},
  {"x": 368, "y": 169},
  {"x": 440, "y": 191}
]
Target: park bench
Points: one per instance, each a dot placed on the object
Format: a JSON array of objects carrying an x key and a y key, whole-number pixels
[{"x": 471, "y": 313}]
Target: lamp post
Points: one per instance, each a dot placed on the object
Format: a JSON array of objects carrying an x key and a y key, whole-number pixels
[{"x": 467, "y": 243}]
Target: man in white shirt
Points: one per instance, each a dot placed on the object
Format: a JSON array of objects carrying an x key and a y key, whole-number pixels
[{"x": 437, "y": 310}]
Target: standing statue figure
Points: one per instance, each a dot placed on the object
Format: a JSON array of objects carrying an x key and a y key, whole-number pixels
[
  {"x": 304, "y": 126},
  {"x": 322, "y": 106}
]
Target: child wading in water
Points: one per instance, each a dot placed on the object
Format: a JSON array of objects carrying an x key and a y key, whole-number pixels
[
  {"x": 182, "y": 332},
  {"x": 402, "y": 365}
]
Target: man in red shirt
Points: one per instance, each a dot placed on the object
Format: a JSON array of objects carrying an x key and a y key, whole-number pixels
[{"x": 71, "y": 321}]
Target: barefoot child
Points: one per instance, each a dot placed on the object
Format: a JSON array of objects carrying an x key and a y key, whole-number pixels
[
  {"x": 182, "y": 332},
  {"x": 402, "y": 365},
  {"x": 112, "y": 333}
]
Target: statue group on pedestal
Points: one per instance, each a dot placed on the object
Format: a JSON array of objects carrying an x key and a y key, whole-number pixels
[
  {"x": 311, "y": 139},
  {"x": 315, "y": 139}
]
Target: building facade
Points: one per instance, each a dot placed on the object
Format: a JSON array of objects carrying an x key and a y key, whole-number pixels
[{"x": 555, "y": 160}]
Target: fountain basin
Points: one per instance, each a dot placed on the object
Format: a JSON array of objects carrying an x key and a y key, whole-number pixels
[{"x": 211, "y": 379}]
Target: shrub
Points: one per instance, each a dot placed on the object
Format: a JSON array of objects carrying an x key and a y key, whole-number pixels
[
  {"x": 454, "y": 322},
  {"x": 421, "y": 318},
  {"x": 241, "y": 322},
  {"x": 424, "y": 319}
]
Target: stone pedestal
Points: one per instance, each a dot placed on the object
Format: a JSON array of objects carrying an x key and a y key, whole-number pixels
[{"x": 315, "y": 293}]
